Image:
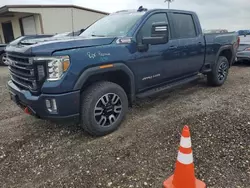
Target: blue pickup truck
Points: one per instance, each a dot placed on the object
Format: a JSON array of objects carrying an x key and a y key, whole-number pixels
[{"x": 124, "y": 56}]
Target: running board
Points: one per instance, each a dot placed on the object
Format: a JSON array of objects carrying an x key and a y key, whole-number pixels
[{"x": 167, "y": 87}]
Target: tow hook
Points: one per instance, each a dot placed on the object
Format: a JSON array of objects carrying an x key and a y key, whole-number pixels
[{"x": 27, "y": 110}]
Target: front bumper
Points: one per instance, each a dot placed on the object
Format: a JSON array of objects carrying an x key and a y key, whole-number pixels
[{"x": 68, "y": 104}]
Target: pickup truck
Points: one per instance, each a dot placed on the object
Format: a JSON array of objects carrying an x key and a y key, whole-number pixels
[
  {"x": 243, "y": 53},
  {"x": 124, "y": 56}
]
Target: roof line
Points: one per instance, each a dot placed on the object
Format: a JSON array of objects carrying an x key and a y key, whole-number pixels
[{"x": 53, "y": 6}]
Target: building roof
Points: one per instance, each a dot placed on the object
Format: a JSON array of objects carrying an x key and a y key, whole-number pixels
[{"x": 5, "y": 8}]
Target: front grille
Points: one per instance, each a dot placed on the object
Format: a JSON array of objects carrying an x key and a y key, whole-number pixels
[{"x": 24, "y": 72}]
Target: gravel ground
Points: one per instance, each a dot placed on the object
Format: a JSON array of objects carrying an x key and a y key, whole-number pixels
[{"x": 142, "y": 153}]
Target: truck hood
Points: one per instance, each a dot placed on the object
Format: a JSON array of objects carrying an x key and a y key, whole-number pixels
[
  {"x": 46, "y": 39},
  {"x": 46, "y": 46}
]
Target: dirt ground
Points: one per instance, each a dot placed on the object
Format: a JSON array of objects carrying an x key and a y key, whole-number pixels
[{"x": 142, "y": 153}]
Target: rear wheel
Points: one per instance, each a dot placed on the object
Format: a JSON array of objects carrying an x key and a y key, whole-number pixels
[
  {"x": 219, "y": 73},
  {"x": 104, "y": 106}
]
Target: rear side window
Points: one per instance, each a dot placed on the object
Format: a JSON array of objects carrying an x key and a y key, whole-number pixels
[
  {"x": 145, "y": 30},
  {"x": 184, "y": 26}
]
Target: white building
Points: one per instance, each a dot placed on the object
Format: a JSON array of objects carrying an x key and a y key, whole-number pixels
[{"x": 17, "y": 20}]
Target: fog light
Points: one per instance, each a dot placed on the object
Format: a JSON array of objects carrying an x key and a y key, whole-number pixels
[
  {"x": 51, "y": 105},
  {"x": 54, "y": 107},
  {"x": 48, "y": 104}
]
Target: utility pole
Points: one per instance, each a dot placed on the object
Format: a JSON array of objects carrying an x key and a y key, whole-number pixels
[{"x": 169, "y": 2}]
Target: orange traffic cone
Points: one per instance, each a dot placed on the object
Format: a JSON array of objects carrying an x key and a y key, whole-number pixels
[{"x": 184, "y": 168}]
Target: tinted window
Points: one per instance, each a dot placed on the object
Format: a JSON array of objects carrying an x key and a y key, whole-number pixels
[
  {"x": 184, "y": 26},
  {"x": 145, "y": 31}
]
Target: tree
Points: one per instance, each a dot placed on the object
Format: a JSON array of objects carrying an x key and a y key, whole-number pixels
[{"x": 169, "y": 1}]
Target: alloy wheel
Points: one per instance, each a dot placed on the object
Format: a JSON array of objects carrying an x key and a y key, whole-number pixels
[
  {"x": 222, "y": 71},
  {"x": 107, "y": 109}
]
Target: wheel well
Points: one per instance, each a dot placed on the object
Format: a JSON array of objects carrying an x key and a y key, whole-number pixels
[
  {"x": 228, "y": 54},
  {"x": 119, "y": 77}
]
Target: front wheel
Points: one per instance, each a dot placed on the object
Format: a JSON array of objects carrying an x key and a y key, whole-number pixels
[
  {"x": 104, "y": 106},
  {"x": 219, "y": 73}
]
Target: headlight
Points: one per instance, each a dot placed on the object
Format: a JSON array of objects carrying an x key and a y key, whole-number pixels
[{"x": 56, "y": 66}]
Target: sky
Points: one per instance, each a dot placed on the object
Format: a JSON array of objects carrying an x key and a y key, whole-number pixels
[{"x": 213, "y": 14}]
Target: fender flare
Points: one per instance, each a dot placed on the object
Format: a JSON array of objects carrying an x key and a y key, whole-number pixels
[
  {"x": 226, "y": 47},
  {"x": 97, "y": 70}
]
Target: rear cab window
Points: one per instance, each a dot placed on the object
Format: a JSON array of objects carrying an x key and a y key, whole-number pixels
[{"x": 184, "y": 26}]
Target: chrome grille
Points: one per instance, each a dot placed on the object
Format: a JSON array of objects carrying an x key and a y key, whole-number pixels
[{"x": 23, "y": 73}]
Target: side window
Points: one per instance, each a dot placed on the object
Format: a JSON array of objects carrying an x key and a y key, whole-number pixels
[
  {"x": 184, "y": 26},
  {"x": 145, "y": 30}
]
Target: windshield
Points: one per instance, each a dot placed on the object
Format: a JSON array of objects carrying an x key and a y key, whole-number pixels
[{"x": 113, "y": 25}]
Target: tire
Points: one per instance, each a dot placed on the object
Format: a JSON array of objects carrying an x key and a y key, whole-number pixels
[
  {"x": 219, "y": 73},
  {"x": 2, "y": 57},
  {"x": 98, "y": 119}
]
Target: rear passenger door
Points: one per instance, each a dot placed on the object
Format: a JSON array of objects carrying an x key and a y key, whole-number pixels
[{"x": 188, "y": 44}]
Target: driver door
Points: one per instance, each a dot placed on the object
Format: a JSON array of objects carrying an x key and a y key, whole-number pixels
[{"x": 149, "y": 63}]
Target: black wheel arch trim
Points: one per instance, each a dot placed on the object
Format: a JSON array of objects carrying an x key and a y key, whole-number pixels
[
  {"x": 226, "y": 47},
  {"x": 97, "y": 70}
]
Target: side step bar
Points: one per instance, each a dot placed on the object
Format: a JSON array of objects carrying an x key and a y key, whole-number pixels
[{"x": 167, "y": 87}]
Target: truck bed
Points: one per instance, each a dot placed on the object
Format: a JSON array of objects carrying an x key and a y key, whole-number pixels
[{"x": 215, "y": 41}]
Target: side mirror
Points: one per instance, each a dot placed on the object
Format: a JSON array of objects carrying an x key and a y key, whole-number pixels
[{"x": 159, "y": 34}]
